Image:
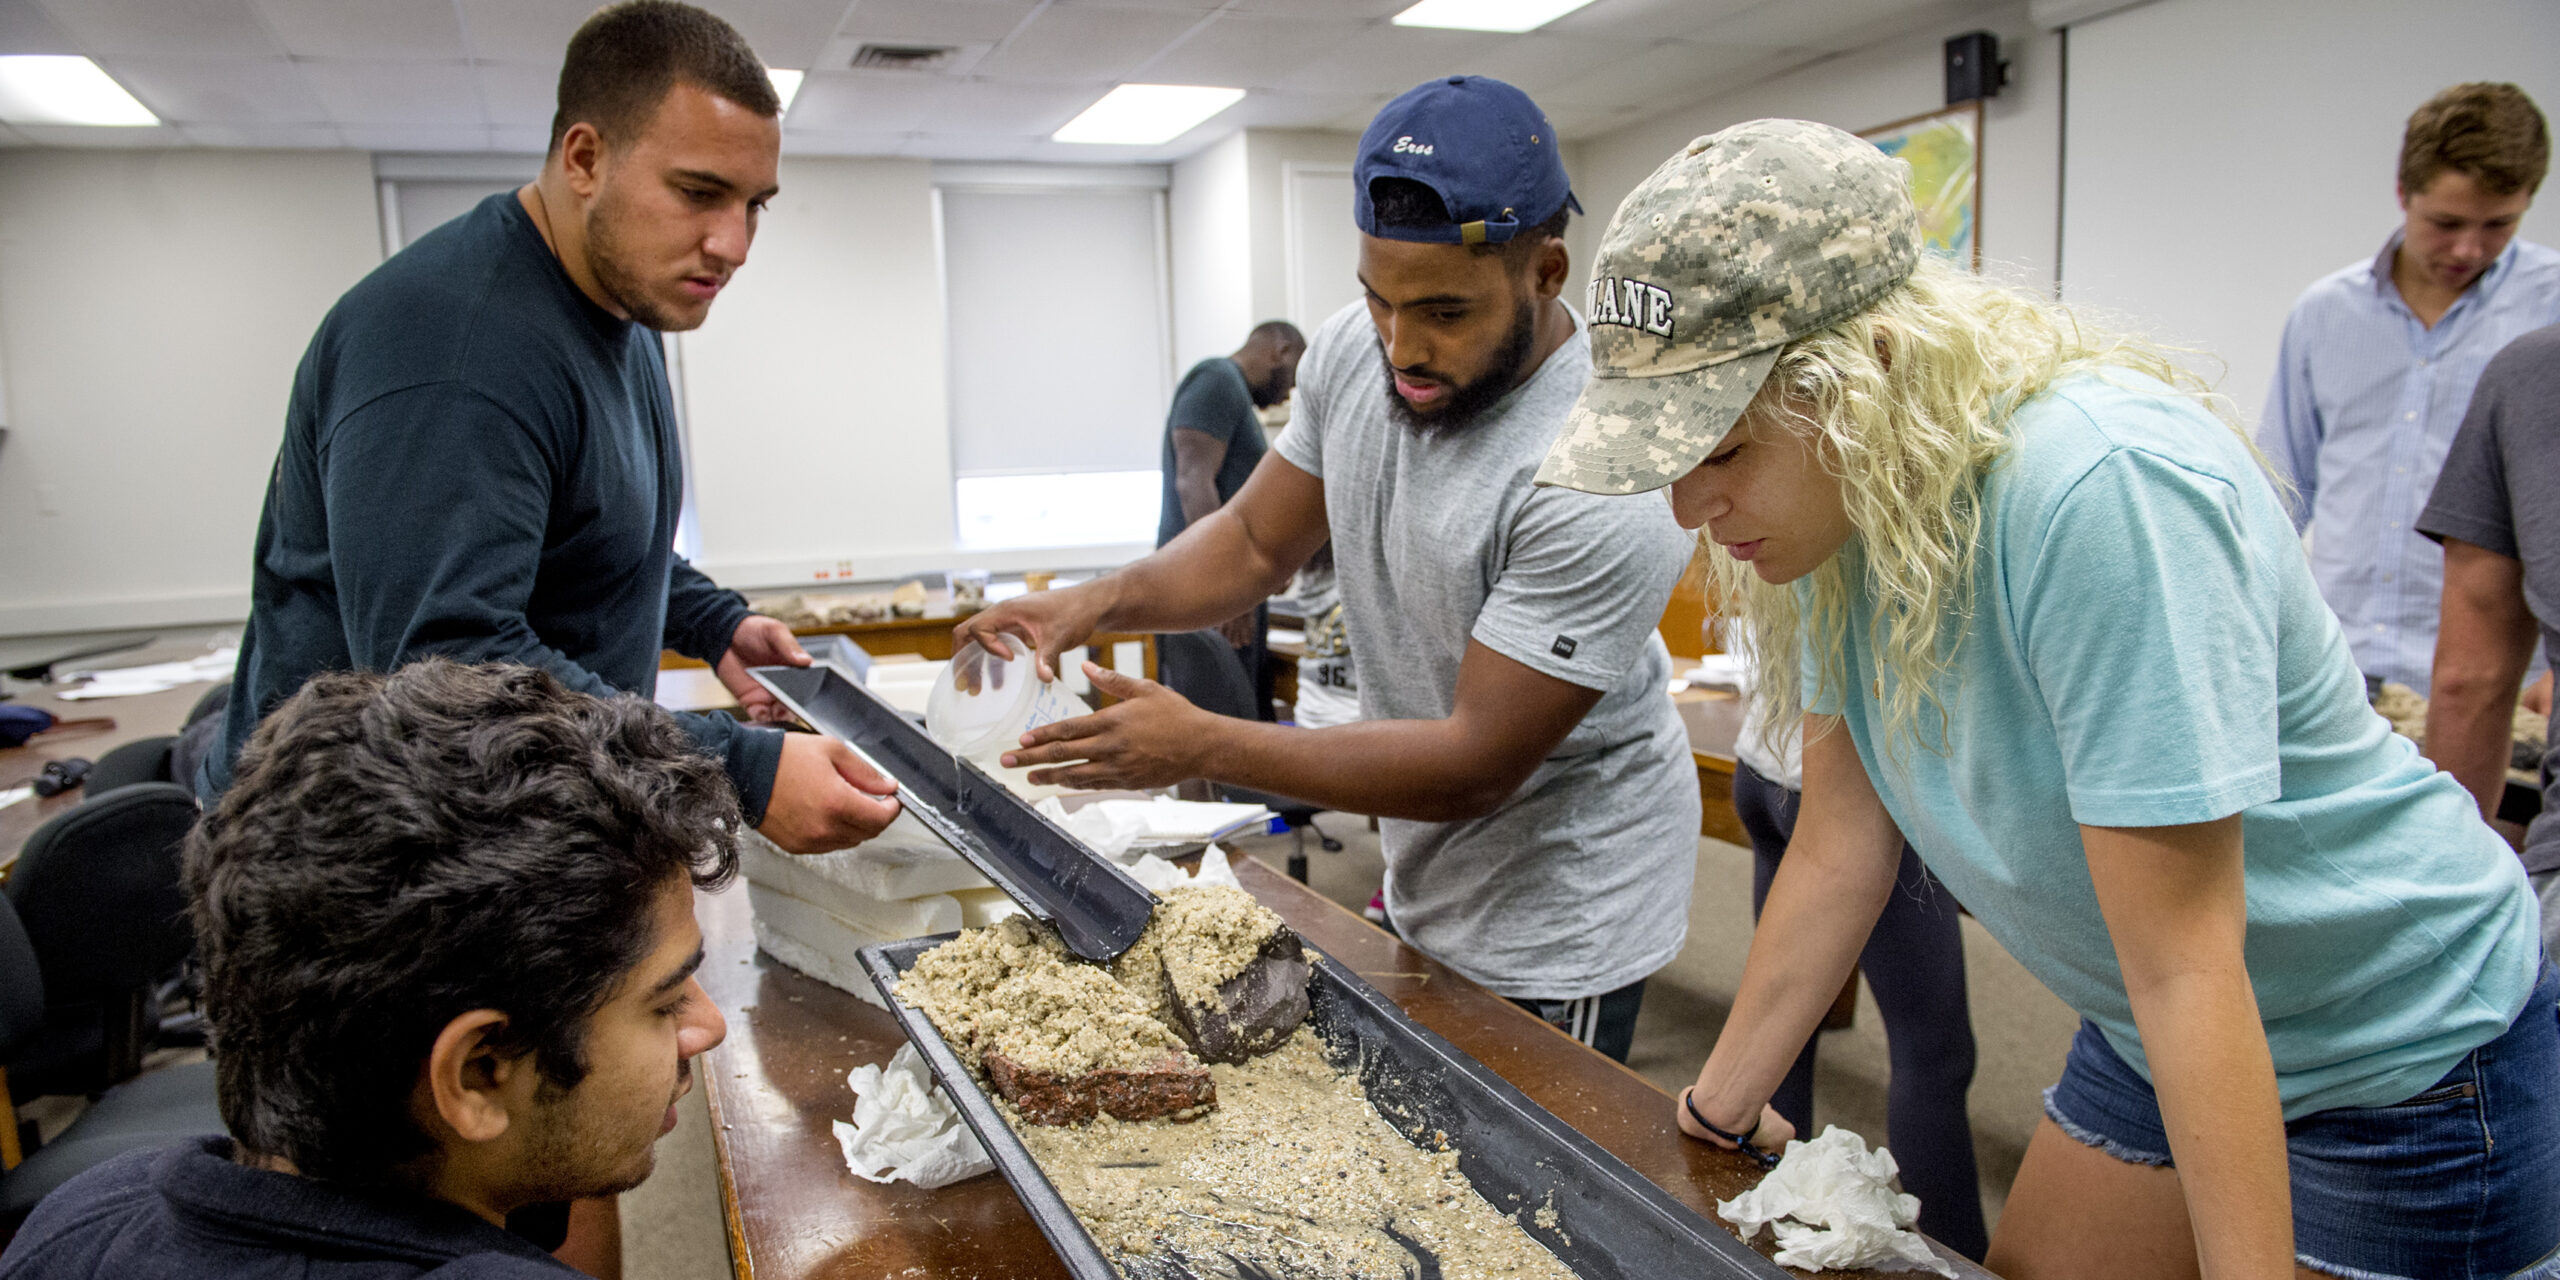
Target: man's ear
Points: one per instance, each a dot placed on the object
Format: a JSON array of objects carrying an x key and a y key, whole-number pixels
[
  {"x": 582, "y": 159},
  {"x": 468, "y": 1084},
  {"x": 1548, "y": 267},
  {"x": 2400, "y": 192}
]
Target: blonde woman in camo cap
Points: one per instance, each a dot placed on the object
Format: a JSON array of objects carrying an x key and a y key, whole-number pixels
[{"x": 2052, "y": 623}]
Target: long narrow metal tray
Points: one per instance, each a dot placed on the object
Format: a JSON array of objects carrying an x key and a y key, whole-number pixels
[
  {"x": 1094, "y": 905},
  {"x": 1610, "y": 1223}
]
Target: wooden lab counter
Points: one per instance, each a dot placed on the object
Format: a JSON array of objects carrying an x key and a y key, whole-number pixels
[{"x": 777, "y": 1085}]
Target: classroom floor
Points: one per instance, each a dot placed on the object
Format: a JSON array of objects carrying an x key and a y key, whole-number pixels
[{"x": 671, "y": 1226}]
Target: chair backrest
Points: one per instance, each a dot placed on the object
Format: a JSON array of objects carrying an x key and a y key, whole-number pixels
[
  {"x": 21, "y": 987},
  {"x": 215, "y": 701},
  {"x": 97, "y": 889},
  {"x": 142, "y": 760}
]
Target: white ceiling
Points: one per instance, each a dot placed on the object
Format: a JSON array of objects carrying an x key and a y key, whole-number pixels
[{"x": 477, "y": 75}]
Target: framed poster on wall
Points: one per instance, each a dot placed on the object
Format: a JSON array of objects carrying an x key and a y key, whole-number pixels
[{"x": 1944, "y": 150}]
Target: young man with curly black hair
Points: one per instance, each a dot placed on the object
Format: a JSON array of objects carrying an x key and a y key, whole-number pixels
[{"x": 446, "y": 921}]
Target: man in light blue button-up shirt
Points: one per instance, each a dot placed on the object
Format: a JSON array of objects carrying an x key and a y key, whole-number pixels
[{"x": 2379, "y": 359}]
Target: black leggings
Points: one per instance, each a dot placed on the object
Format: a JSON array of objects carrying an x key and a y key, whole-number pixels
[{"x": 1915, "y": 962}]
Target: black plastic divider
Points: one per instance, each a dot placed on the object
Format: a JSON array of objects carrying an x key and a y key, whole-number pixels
[
  {"x": 1610, "y": 1223},
  {"x": 1094, "y": 905}
]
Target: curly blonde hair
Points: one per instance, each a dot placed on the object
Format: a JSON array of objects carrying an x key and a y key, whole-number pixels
[{"x": 1910, "y": 401}]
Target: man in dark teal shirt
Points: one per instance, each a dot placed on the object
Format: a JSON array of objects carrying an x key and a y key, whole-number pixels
[
  {"x": 480, "y": 457},
  {"x": 1212, "y": 443}
]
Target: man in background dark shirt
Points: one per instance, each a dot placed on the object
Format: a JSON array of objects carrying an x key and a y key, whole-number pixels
[
  {"x": 2496, "y": 509},
  {"x": 446, "y": 924},
  {"x": 480, "y": 458},
  {"x": 1212, "y": 442}
]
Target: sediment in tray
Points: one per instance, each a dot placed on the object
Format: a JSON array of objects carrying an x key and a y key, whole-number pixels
[{"x": 1283, "y": 1167}]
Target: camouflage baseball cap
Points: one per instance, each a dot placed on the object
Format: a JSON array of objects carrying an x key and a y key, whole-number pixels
[{"x": 1745, "y": 241}]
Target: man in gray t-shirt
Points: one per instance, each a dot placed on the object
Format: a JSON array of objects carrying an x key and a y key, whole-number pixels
[
  {"x": 1540, "y": 808},
  {"x": 2496, "y": 509}
]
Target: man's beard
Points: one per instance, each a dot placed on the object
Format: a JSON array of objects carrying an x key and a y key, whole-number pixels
[
  {"x": 580, "y": 1152},
  {"x": 1468, "y": 402},
  {"x": 1267, "y": 392},
  {"x": 605, "y": 261}
]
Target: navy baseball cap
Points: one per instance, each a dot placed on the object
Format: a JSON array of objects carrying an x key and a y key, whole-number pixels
[{"x": 1481, "y": 144}]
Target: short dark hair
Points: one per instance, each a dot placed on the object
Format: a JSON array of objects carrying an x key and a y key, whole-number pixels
[
  {"x": 1403, "y": 202},
  {"x": 624, "y": 60},
  {"x": 2491, "y": 131},
  {"x": 1279, "y": 331},
  {"x": 399, "y": 850}
]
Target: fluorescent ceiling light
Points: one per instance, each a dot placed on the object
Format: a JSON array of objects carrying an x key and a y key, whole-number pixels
[
  {"x": 1146, "y": 114},
  {"x": 1487, "y": 15},
  {"x": 51, "y": 89},
  {"x": 786, "y": 85}
]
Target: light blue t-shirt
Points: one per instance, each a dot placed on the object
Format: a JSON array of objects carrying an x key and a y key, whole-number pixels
[{"x": 2147, "y": 648}]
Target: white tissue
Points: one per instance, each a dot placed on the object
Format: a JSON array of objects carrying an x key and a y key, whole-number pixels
[
  {"x": 1833, "y": 1205},
  {"x": 1159, "y": 875},
  {"x": 904, "y": 1129},
  {"x": 1104, "y": 829}
]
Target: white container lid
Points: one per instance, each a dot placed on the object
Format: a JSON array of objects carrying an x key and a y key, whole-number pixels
[{"x": 992, "y": 717}]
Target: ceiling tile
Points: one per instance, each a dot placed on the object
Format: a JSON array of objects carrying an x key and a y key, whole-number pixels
[
  {"x": 805, "y": 143},
  {"x": 1538, "y": 62},
  {"x": 231, "y": 91},
  {"x": 520, "y": 94},
  {"x": 1085, "y": 44},
  {"x": 522, "y": 30},
  {"x": 785, "y": 33},
  {"x": 1248, "y": 52},
  {"x": 1666, "y": 74},
  {"x": 1828, "y": 25},
  {"x": 1390, "y": 60},
  {"x": 416, "y": 138},
  {"x": 519, "y": 140},
  {"x": 856, "y": 102},
  {"x": 1650, "y": 19},
  {"x": 397, "y": 93},
  {"x": 1017, "y": 110},
  {"x": 210, "y": 28},
  {"x": 10, "y": 137},
  {"x": 26, "y": 28},
  {"x": 1574, "y": 122},
  {"x": 1261, "y": 110},
  {"x": 935, "y": 21},
  {"x": 287, "y": 137},
  {"x": 957, "y": 146},
  {"x": 1361, "y": 9},
  {"x": 379, "y": 30},
  {"x": 72, "y": 135}
]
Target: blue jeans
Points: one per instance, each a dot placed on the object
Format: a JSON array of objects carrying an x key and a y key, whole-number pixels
[{"x": 2460, "y": 1180}]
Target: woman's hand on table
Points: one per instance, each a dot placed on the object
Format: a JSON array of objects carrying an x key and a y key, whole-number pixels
[
  {"x": 1151, "y": 737},
  {"x": 1771, "y": 1136}
]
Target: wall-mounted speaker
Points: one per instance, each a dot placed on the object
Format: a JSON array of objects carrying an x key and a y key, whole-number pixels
[{"x": 1974, "y": 68}]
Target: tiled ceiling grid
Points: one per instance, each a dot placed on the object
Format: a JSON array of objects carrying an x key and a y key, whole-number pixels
[{"x": 478, "y": 75}]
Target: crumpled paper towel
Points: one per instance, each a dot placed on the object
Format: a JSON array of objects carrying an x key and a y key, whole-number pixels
[
  {"x": 1158, "y": 875},
  {"x": 904, "y": 1130},
  {"x": 1833, "y": 1205},
  {"x": 1103, "y": 829}
]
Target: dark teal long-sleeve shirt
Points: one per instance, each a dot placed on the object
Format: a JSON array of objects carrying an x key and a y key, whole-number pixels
[{"x": 480, "y": 463}]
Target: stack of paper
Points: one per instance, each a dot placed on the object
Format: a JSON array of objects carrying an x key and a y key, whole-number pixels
[
  {"x": 125, "y": 682},
  {"x": 814, "y": 913}
]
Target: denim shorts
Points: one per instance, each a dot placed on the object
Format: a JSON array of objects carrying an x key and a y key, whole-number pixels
[{"x": 2460, "y": 1180}]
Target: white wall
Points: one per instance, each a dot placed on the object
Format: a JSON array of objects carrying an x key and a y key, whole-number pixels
[
  {"x": 1268, "y": 154},
  {"x": 816, "y": 395},
  {"x": 2223, "y": 156},
  {"x": 1863, "y": 89},
  {"x": 153, "y": 306},
  {"x": 1210, "y": 208}
]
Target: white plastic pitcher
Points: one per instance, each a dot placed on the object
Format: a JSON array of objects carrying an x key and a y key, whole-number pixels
[{"x": 1010, "y": 701}]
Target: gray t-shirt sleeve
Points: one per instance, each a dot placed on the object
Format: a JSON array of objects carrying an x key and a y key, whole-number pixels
[
  {"x": 1582, "y": 584},
  {"x": 2470, "y": 498},
  {"x": 1346, "y": 336}
]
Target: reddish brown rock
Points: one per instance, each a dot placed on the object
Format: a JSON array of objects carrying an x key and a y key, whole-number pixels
[{"x": 1173, "y": 1088}]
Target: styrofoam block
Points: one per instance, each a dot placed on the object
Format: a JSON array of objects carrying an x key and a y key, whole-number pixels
[
  {"x": 905, "y": 861},
  {"x": 892, "y": 920},
  {"x": 982, "y": 907},
  {"x": 843, "y": 974}
]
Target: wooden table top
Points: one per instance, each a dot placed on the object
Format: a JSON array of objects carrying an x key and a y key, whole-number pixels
[
  {"x": 140, "y": 716},
  {"x": 777, "y": 1084}
]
